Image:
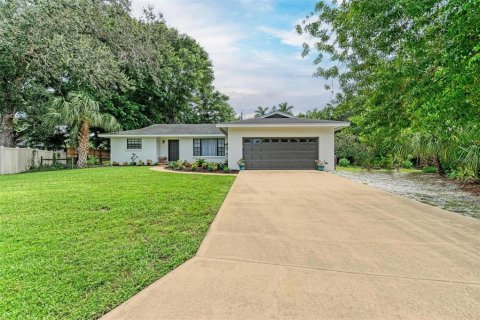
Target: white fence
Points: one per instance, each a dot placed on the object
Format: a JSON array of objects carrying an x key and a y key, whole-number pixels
[{"x": 15, "y": 160}]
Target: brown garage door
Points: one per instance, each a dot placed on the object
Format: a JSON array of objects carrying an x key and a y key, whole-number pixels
[{"x": 280, "y": 153}]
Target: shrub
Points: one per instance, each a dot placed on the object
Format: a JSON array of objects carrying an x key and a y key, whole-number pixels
[
  {"x": 51, "y": 167},
  {"x": 429, "y": 169},
  {"x": 200, "y": 162},
  {"x": 133, "y": 158},
  {"x": 187, "y": 164},
  {"x": 226, "y": 169},
  {"x": 106, "y": 163},
  {"x": 91, "y": 161},
  {"x": 343, "y": 162},
  {"x": 140, "y": 162},
  {"x": 204, "y": 165},
  {"x": 179, "y": 163},
  {"x": 181, "y": 167},
  {"x": 133, "y": 163},
  {"x": 212, "y": 166},
  {"x": 149, "y": 162},
  {"x": 407, "y": 164},
  {"x": 124, "y": 163},
  {"x": 462, "y": 174},
  {"x": 172, "y": 165},
  {"x": 115, "y": 163},
  {"x": 194, "y": 167}
]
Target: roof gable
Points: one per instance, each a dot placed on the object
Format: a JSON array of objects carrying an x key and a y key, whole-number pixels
[{"x": 278, "y": 114}]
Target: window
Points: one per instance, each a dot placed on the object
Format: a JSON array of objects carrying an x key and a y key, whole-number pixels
[
  {"x": 208, "y": 147},
  {"x": 134, "y": 144},
  {"x": 197, "y": 147},
  {"x": 221, "y": 147}
]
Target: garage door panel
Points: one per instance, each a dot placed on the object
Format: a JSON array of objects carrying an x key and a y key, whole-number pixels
[{"x": 280, "y": 153}]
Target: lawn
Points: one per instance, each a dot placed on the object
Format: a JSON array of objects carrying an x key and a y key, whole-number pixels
[{"x": 76, "y": 243}]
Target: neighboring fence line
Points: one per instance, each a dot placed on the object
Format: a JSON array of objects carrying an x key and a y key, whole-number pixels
[
  {"x": 15, "y": 160},
  {"x": 97, "y": 153}
]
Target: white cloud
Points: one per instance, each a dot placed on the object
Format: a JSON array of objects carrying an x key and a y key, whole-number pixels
[
  {"x": 250, "y": 75},
  {"x": 260, "y": 5}
]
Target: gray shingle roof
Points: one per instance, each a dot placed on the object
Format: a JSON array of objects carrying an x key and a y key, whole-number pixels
[
  {"x": 284, "y": 121},
  {"x": 173, "y": 129}
]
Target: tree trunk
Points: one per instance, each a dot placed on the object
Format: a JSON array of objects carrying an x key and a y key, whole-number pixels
[
  {"x": 7, "y": 137},
  {"x": 439, "y": 166},
  {"x": 83, "y": 143}
]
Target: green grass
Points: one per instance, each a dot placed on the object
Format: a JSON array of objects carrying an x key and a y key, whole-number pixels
[
  {"x": 74, "y": 244},
  {"x": 360, "y": 169}
]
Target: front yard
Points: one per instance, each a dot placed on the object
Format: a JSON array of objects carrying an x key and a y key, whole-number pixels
[{"x": 74, "y": 244}]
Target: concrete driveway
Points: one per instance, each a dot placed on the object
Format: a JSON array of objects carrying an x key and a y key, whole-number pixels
[{"x": 311, "y": 245}]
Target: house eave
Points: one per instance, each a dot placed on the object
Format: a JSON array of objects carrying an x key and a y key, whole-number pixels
[
  {"x": 283, "y": 125},
  {"x": 106, "y": 135}
]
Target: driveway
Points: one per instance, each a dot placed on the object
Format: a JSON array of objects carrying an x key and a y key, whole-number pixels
[{"x": 312, "y": 245}]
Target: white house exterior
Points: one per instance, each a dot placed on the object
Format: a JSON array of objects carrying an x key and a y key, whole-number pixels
[{"x": 275, "y": 141}]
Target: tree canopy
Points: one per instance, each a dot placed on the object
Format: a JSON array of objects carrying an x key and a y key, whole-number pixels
[
  {"x": 139, "y": 70},
  {"x": 405, "y": 68}
]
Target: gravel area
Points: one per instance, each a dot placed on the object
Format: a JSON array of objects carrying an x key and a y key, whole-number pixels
[{"x": 427, "y": 188}]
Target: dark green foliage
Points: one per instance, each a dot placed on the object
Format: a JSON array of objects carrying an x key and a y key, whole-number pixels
[
  {"x": 429, "y": 169},
  {"x": 200, "y": 162},
  {"x": 51, "y": 167},
  {"x": 343, "y": 162},
  {"x": 140, "y": 71},
  {"x": 407, "y": 72},
  {"x": 407, "y": 164}
]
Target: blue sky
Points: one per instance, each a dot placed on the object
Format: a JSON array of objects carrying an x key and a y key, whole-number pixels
[{"x": 253, "y": 46}]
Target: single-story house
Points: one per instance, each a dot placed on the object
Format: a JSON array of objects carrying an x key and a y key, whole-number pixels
[{"x": 274, "y": 141}]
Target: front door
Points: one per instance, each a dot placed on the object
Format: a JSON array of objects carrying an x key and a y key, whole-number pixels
[{"x": 173, "y": 150}]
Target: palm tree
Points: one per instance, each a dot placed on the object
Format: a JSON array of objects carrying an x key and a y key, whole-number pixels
[
  {"x": 285, "y": 108},
  {"x": 426, "y": 146},
  {"x": 261, "y": 111},
  {"x": 469, "y": 155},
  {"x": 80, "y": 112}
]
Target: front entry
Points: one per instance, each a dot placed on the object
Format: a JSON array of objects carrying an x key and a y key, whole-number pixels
[{"x": 173, "y": 150}]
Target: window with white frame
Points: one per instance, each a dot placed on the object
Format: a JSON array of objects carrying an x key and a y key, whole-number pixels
[
  {"x": 208, "y": 147},
  {"x": 134, "y": 144}
]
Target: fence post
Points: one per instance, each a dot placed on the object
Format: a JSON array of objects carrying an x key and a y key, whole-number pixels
[
  {"x": 2, "y": 151},
  {"x": 17, "y": 159},
  {"x": 29, "y": 154}
]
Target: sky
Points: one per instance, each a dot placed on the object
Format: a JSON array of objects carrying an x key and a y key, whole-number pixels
[{"x": 254, "y": 48}]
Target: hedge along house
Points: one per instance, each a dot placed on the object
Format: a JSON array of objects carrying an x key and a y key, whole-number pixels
[{"x": 275, "y": 141}]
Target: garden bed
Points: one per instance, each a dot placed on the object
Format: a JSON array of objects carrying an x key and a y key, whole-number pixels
[{"x": 200, "y": 165}]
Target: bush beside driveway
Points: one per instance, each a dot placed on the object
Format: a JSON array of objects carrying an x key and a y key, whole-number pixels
[{"x": 74, "y": 244}]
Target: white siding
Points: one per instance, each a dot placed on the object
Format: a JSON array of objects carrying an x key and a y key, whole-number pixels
[
  {"x": 120, "y": 153},
  {"x": 154, "y": 148},
  {"x": 325, "y": 137}
]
